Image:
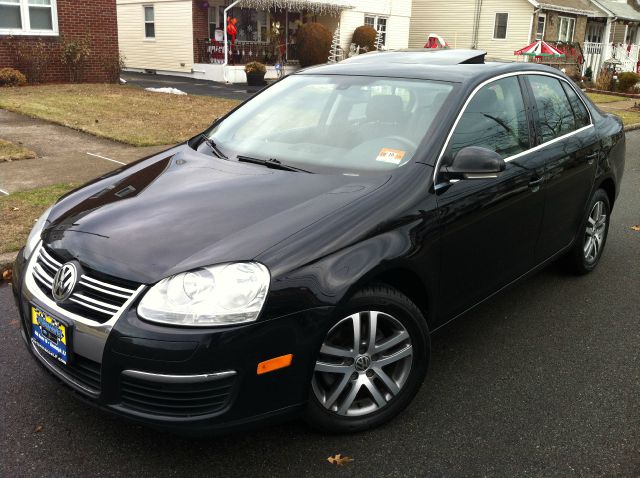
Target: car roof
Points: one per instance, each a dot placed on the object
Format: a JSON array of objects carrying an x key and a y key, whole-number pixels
[{"x": 452, "y": 65}]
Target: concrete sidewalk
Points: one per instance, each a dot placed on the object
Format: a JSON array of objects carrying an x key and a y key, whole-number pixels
[{"x": 64, "y": 155}]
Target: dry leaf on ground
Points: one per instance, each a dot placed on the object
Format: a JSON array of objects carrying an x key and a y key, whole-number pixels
[{"x": 339, "y": 460}]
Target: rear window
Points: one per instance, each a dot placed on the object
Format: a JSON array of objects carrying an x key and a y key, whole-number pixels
[{"x": 555, "y": 114}]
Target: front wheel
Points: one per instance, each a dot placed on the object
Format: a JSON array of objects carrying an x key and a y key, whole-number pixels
[
  {"x": 371, "y": 363},
  {"x": 587, "y": 250}
]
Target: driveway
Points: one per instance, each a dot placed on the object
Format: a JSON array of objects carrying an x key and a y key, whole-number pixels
[
  {"x": 191, "y": 86},
  {"x": 64, "y": 155},
  {"x": 541, "y": 381}
]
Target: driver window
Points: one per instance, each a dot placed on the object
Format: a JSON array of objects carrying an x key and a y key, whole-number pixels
[{"x": 494, "y": 119}]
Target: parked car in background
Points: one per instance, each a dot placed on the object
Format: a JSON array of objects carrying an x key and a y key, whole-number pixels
[{"x": 295, "y": 258}]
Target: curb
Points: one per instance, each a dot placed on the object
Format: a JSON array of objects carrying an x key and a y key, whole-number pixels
[
  {"x": 632, "y": 127},
  {"x": 6, "y": 261},
  {"x": 614, "y": 93}
]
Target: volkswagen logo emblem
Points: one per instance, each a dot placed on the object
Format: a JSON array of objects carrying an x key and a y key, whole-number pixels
[
  {"x": 362, "y": 363},
  {"x": 64, "y": 282}
]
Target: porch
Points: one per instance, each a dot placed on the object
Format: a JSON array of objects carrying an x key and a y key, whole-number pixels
[
  {"x": 265, "y": 31},
  {"x": 611, "y": 40}
]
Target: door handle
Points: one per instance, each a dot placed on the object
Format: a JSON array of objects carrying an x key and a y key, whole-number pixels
[
  {"x": 534, "y": 184},
  {"x": 592, "y": 157}
]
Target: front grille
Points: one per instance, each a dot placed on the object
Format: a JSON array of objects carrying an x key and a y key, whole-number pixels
[
  {"x": 176, "y": 399},
  {"x": 82, "y": 370},
  {"x": 93, "y": 298}
]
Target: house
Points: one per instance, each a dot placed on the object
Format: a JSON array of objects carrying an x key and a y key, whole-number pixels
[
  {"x": 40, "y": 27},
  {"x": 590, "y": 31},
  {"x": 187, "y": 37}
]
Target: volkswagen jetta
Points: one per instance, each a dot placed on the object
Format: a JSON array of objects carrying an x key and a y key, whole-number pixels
[{"x": 295, "y": 257}]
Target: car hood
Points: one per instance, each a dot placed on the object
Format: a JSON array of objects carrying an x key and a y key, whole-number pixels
[{"x": 181, "y": 210}]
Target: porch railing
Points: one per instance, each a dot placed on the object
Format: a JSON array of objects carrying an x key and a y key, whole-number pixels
[
  {"x": 240, "y": 53},
  {"x": 627, "y": 55},
  {"x": 592, "y": 53}
]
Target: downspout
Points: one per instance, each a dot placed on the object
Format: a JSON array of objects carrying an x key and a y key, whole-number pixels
[
  {"x": 536, "y": 11},
  {"x": 476, "y": 24}
]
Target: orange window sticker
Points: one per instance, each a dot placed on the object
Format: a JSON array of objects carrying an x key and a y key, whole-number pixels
[{"x": 393, "y": 156}]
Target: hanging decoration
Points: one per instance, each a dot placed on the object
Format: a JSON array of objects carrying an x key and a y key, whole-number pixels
[
  {"x": 317, "y": 7},
  {"x": 232, "y": 29},
  {"x": 204, "y": 5}
]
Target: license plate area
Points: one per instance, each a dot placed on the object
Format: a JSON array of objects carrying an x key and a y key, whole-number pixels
[{"x": 51, "y": 334}]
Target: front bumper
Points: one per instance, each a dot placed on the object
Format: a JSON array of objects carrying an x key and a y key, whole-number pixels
[{"x": 187, "y": 380}]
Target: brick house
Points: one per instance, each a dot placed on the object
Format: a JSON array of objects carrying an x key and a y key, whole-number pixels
[{"x": 25, "y": 23}]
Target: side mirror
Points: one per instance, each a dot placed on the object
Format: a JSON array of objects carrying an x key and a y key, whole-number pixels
[{"x": 474, "y": 162}]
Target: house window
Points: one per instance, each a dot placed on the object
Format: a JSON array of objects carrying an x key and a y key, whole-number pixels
[
  {"x": 379, "y": 24},
  {"x": 632, "y": 32},
  {"x": 149, "y": 22},
  {"x": 500, "y": 26},
  {"x": 566, "y": 29},
  {"x": 542, "y": 23},
  {"x": 28, "y": 17}
]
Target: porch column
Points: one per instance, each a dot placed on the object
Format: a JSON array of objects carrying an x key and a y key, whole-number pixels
[
  {"x": 606, "y": 41},
  {"x": 226, "y": 46}
]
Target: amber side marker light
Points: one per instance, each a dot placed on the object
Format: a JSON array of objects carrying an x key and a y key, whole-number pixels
[{"x": 274, "y": 364}]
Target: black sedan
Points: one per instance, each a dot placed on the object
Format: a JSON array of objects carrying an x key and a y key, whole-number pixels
[{"x": 295, "y": 257}]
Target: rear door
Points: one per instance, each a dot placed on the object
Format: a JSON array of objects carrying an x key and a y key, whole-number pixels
[
  {"x": 489, "y": 227},
  {"x": 568, "y": 143}
]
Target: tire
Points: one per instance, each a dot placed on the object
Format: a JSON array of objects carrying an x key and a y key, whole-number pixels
[
  {"x": 583, "y": 258},
  {"x": 395, "y": 365}
]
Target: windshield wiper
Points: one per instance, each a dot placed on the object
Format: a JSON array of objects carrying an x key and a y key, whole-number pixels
[
  {"x": 212, "y": 145},
  {"x": 271, "y": 163}
]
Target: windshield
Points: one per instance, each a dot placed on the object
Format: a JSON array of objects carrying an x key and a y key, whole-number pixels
[{"x": 350, "y": 123}]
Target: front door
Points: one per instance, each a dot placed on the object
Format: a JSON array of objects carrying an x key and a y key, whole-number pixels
[{"x": 490, "y": 227}]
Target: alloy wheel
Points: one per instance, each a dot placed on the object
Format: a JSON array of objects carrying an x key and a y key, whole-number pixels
[
  {"x": 363, "y": 364},
  {"x": 595, "y": 231}
]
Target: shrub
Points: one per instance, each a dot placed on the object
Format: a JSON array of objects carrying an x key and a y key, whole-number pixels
[
  {"x": 74, "y": 54},
  {"x": 11, "y": 77},
  {"x": 604, "y": 80},
  {"x": 588, "y": 73},
  {"x": 365, "y": 37},
  {"x": 29, "y": 56},
  {"x": 314, "y": 43},
  {"x": 627, "y": 80},
  {"x": 255, "y": 67},
  {"x": 113, "y": 66}
]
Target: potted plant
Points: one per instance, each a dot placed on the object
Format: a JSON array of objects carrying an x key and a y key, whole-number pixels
[{"x": 255, "y": 73}]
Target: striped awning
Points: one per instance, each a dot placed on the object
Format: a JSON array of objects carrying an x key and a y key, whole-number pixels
[{"x": 540, "y": 48}]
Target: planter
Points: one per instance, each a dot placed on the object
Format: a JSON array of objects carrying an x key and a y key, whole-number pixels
[{"x": 255, "y": 79}]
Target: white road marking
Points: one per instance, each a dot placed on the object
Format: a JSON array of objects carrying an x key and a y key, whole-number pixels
[
  {"x": 108, "y": 159},
  {"x": 4, "y": 192}
]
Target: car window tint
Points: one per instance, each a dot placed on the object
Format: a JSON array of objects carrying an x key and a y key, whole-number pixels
[
  {"x": 555, "y": 116},
  {"x": 579, "y": 111},
  {"x": 494, "y": 119}
]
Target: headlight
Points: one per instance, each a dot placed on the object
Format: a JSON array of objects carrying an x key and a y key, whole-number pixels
[
  {"x": 216, "y": 295},
  {"x": 34, "y": 235}
]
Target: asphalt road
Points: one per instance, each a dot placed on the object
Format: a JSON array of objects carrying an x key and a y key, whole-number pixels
[{"x": 542, "y": 381}]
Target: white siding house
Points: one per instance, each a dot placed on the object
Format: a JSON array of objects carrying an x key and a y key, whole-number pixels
[
  {"x": 182, "y": 38},
  {"x": 500, "y": 27},
  {"x": 161, "y": 41}
]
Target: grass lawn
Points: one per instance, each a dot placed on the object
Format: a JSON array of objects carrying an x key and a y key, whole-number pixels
[
  {"x": 601, "y": 98},
  {"x": 19, "y": 211},
  {"x": 122, "y": 113},
  {"x": 629, "y": 117},
  {"x": 12, "y": 152}
]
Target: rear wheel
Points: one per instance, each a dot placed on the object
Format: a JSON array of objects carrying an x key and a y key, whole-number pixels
[
  {"x": 371, "y": 364},
  {"x": 587, "y": 250}
]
